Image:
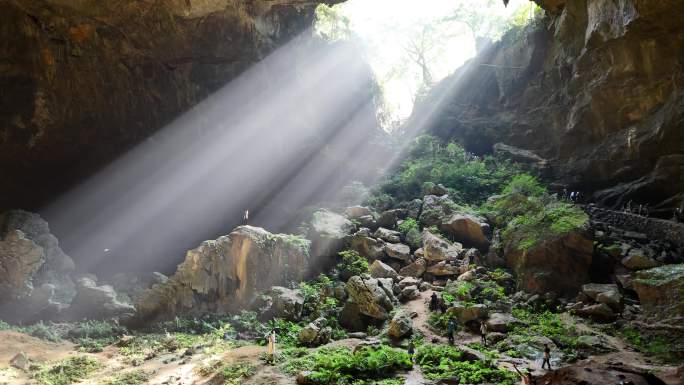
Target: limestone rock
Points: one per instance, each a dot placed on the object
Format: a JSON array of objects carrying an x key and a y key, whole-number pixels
[
  {"x": 390, "y": 236},
  {"x": 444, "y": 268},
  {"x": 398, "y": 251},
  {"x": 598, "y": 312},
  {"x": 409, "y": 293},
  {"x": 316, "y": 333},
  {"x": 225, "y": 275},
  {"x": 389, "y": 218},
  {"x": 560, "y": 265},
  {"x": 434, "y": 209},
  {"x": 401, "y": 325},
  {"x": 369, "y": 295},
  {"x": 501, "y": 322},
  {"x": 592, "y": 290},
  {"x": 437, "y": 249},
  {"x": 20, "y": 259},
  {"x": 356, "y": 212},
  {"x": 20, "y": 361},
  {"x": 366, "y": 246},
  {"x": 378, "y": 269},
  {"x": 637, "y": 259},
  {"x": 660, "y": 291},
  {"x": 466, "y": 229},
  {"x": 287, "y": 303},
  {"x": 415, "y": 269},
  {"x": 97, "y": 302},
  {"x": 466, "y": 313}
]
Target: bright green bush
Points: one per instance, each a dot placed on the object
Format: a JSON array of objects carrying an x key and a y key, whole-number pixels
[
  {"x": 549, "y": 325},
  {"x": 443, "y": 361},
  {"x": 352, "y": 264},
  {"x": 411, "y": 231},
  {"x": 68, "y": 371}
]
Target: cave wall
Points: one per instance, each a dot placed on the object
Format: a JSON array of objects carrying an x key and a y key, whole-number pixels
[
  {"x": 81, "y": 81},
  {"x": 596, "y": 88}
]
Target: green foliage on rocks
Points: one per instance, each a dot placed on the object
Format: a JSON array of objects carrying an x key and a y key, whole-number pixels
[
  {"x": 67, "y": 371},
  {"x": 549, "y": 325},
  {"x": 530, "y": 215},
  {"x": 344, "y": 366},
  {"x": 443, "y": 361},
  {"x": 468, "y": 178},
  {"x": 411, "y": 231},
  {"x": 352, "y": 264}
]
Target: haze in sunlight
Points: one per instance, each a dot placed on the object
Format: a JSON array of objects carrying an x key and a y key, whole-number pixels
[{"x": 391, "y": 31}]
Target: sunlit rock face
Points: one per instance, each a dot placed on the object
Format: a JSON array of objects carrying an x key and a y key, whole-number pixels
[
  {"x": 83, "y": 80},
  {"x": 596, "y": 91},
  {"x": 224, "y": 275}
]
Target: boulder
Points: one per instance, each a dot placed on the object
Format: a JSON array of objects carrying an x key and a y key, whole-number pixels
[
  {"x": 370, "y": 296},
  {"x": 466, "y": 229},
  {"x": 435, "y": 209},
  {"x": 351, "y": 318},
  {"x": 610, "y": 298},
  {"x": 413, "y": 208},
  {"x": 660, "y": 290},
  {"x": 638, "y": 259},
  {"x": 387, "y": 235},
  {"x": 407, "y": 281},
  {"x": 158, "y": 278},
  {"x": 415, "y": 269},
  {"x": 356, "y": 212},
  {"x": 401, "y": 325},
  {"x": 430, "y": 188},
  {"x": 409, "y": 293},
  {"x": 558, "y": 265},
  {"x": 225, "y": 275},
  {"x": 398, "y": 251},
  {"x": 378, "y": 269},
  {"x": 287, "y": 303},
  {"x": 389, "y": 218},
  {"x": 465, "y": 313},
  {"x": 20, "y": 361},
  {"x": 444, "y": 269},
  {"x": 436, "y": 248},
  {"x": 467, "y": 276},
  {"x": 20, "y": 259},
  {"x": 502, "y": 322},
  {"x": 315, "y": 333},
  {"x": 327, "y": 233},
  {"x": 594, "y": 289},
  {"x": 97, "y": 302},
  {"x": 599, "y": 312},
  {"x": 367, "y": 247}
]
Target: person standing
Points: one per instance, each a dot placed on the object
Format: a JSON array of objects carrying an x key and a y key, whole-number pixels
[
  {"x": 271, "y": 346},
  {"x": 483, "y": 332},
  {"x": 411, "y": 349},
  {"x": 547, "y": 356},
  {"x": 451, "y": 329},
  {"x": 245, "y": 217},
  {"x": 433, "y": 302}
]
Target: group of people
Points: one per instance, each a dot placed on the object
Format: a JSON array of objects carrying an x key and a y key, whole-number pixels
[
  {"x": 641, "y": 209},
  {"x": 573, "y": 196}
]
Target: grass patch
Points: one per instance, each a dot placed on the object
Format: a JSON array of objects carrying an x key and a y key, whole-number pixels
[
  {"x": 136, "y": 377},
  {"x": 549, "y": 325},
  {"x": 658, "y": 347},
  {"x": 230, "y": 374},
  {"x": 443, "y": 361},
  {"x": 68, "y": 371}
]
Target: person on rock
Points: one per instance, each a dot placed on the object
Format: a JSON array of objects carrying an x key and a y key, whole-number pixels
[
  {"x": 245, "y": 217},
  {"x": 271, "y": 346},
  {"x": 526, "y": 377},
  {"x": 547, "y": 356},
  {"x": 483, "y": 332},
  {"x": 433, "y": 302},
  {"x": 451, "y": 330}
]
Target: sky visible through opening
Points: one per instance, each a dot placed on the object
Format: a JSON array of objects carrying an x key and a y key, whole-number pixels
[{"x": 388, "y": 29}]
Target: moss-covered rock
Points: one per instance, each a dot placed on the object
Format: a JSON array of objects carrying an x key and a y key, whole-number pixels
[{"x": 661, "y": 290}]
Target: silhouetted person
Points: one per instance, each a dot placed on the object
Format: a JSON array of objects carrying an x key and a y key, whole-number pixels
[
  {"x": 547, "y": 356},
  {"x": 434, "y": 301},
  {"x": 451, "y": 329},
  {"x": 245, "y": 217},
  {"x": 483, "y": 332}
]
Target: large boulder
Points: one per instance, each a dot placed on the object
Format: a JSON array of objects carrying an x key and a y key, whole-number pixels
[
  {"x": 366, "y": 246},
  {"x": 315, "y": 333},
  {"x": 436, "y": 248},
  {"x": 387, "y": 235},
  {"x": 560, "y": 264},
  {"x": 639, "y": 259},
  {"x": 287, "y": 303},
  {"x": 606, "y": 293},
  {"x": 598, "y": 312},
  {"x": 502, "y": 322},
  {"x": 99, "y": 302},
  {"x": 466, "y": 313},
  {"x": 398, "y": 251},
  {"x": 370, "y": 296},
  {"x": 328, "y": 232},
  {"x": 466, "y": 229},
  {"x": 415, "y": 269},
  {"x": 444, "y": 268},
  {"x": 225, "y": 275},
  {"x": 378, "y": 269},
  {"x": 661, "y": 290},
  {"x": 435, "y": 209},
  {"x": 20, "y": 259},
  {"x": 401, "y": 325},
  {"x": 356, "y": 212}
]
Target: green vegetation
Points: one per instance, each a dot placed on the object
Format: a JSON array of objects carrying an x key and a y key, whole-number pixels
[
  {"x": 656, "y": 346},
  {"x": 549, "y": 325},
  {"x": 531, "y": 215},
  {"x": 443, "y": 361},
  {"x": 342, "y": 366},
  {"x": 469, "y": 179},
  {"x": 136, "y": 377},
  {"x": 230, "y": 374},
  {"x": 352, "y": 264},
  {"x": 411, "y": 231},
  {"x": 68, "y": 371},
  {"x": 94, "y": 336},
  {"x": 43, "y": 331}
]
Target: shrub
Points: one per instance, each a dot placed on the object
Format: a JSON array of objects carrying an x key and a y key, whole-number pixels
[
  {"x": 549, "y": 325},
  {"x": 443, "y": 361},
  {"x": 68, "y": 371},
  {"x": 352, "y": 264},
  {"x": 231, "y": 374},
  {"x": 411, "y": 231},
  {"x": 136, "y": 377},
  {"x": 43, "y": 331}
]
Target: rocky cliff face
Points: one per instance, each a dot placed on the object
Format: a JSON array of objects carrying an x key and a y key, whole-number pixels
[
  {"x": 84, "y": 80},
  {"x": 595, "y": 89}
]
